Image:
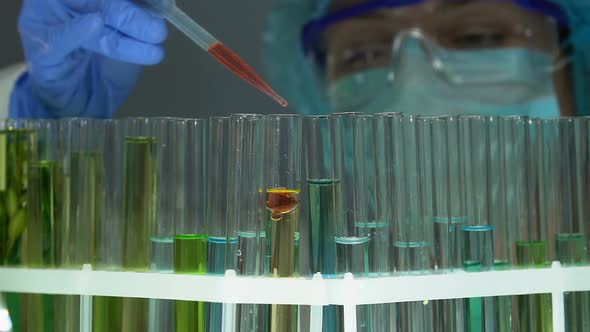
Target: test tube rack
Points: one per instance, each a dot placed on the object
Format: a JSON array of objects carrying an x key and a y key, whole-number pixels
[{"x": 315, "y": 292}]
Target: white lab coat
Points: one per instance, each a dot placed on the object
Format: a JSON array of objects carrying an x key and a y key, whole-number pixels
[{"x": 8, "y": 77}]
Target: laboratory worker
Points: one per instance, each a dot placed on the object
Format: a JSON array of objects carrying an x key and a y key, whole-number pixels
[{"x": 496, "y": 57}]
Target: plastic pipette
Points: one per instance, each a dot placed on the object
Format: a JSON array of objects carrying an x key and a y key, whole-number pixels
[{"x": 225, "y": 56}]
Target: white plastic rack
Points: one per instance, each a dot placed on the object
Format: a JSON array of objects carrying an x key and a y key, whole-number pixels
[{"x": 315, "y": 292}]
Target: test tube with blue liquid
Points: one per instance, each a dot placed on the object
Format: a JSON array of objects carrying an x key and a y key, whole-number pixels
[
  {"x": 190, "y": 238},
  {"x": 571, "y": 239},
  {"x": 282, "y": 183},
  {"x": 477, "y": 235},
  {"x": 246, "y": 208},
  {"x": 323, "y": 206},
  {"x": 170, "y": 134},
  {"x": 218, "y": 242}
]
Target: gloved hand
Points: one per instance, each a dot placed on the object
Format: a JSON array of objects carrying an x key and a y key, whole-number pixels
[{"x": 83, "y": 56}]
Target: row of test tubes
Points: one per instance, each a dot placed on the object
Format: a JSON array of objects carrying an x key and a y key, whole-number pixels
[{"x": 287, "y": 196}]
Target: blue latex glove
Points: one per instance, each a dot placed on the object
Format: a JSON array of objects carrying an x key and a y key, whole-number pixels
[{"x": 84, "y": 56}]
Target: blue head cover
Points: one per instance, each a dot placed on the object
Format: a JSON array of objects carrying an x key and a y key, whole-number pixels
[{"x": 289, "y": 70}]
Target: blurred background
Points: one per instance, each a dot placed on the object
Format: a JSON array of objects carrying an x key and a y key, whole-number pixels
[{"x": 189, "y": 83}]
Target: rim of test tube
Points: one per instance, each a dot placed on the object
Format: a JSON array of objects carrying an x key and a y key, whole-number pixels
[{"x": 477, "y": 228}]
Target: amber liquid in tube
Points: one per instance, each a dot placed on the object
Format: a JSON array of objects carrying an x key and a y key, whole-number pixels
[{"x": 238, "y": 66}]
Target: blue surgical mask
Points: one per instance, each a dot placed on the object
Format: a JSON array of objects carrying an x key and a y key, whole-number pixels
[{"x": 508, "y": 81}]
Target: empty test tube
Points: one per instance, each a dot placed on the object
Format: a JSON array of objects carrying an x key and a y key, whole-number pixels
[
  {"x": 350, "y": 231},
  {"x": 247, "y": 210},
  {"x": 412, "y": 245},
  {"x": 107, "y": 311},
  {"x": 78, "y": 236},
  {"x": 448, "y": 212}
]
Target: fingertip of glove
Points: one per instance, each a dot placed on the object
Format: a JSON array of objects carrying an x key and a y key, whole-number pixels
[
  {"x": 156, "y": 55},
  {"x": 158, "y": 31}
]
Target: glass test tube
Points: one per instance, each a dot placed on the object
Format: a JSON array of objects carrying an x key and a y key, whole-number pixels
[
  {"x": 107, "y": 311},
  {"x": 18, "y": 144},
  {"x": 412, "y": 243},
  {"x": 140, "y": 206},
  {"x": 448, "y": 212},
  {"x": 77, "y": 237},
  {"x": 571, "y": 240},
  {"x": 282, "y": 183},
  {"x": 477, "y": 239},
  {"x": 170, "y": 136},
  {"x": 218, "y": 243},
  {"x": 247, "y": 210},
  {"x": 521, "y": 149},
  {"x": 45, "y": 212},
  {"x": 323, "y": 188},
  {"x": 350, "y": 231},
  {"x": 376, "y": 175},
  {"x": 190, "y": 238}
]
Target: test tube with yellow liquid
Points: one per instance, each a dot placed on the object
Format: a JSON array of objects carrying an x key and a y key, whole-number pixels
[
  {"x": 282, "y": 196},
  {"x": 44, "y": 213},
  {"x": 140, "y": 199}
]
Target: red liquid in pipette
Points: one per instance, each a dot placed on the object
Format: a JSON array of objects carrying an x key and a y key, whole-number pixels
[{"x": 236, "y": 65}]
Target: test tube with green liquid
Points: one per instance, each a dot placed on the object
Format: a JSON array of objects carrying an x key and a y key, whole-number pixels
[
  {"x": 282, "y": 185},
  {"x": 412, "y": 239},
  {"x": 323, "y": 207},
  {"x": 107, "y": 311},
  {"x": 218, "y": 243},
  {"x": 572, "y": 230},
  {"x": 523, "y": 147},
  {"x": 171, "y": 139},
  {"x": 350, "y": 229},
  {"x": 17, "y": 145},
  {"x": 477, "y": 235},
  {"x": 190, "y": 238},
  {"x": 44, "y": 213},
  {"x": 448, "y": 213},
  {"x": 140, "y": 206},
  {"x": 246, "y": 208}
]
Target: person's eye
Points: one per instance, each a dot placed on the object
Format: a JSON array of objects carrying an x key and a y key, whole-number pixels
[
  {"x": 479, "y": 38},
  {"x": 364, "y": 57}
]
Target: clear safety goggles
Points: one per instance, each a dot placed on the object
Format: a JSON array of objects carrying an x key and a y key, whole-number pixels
[{"x": 372, "y": 36}]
